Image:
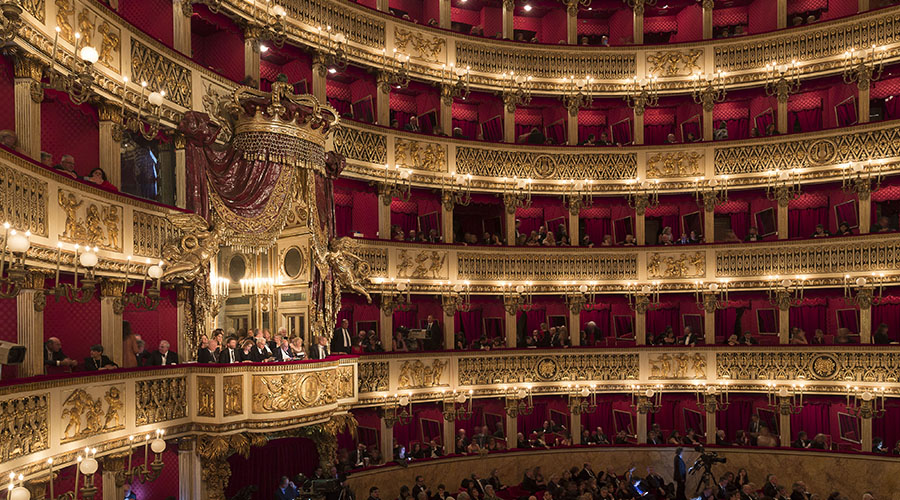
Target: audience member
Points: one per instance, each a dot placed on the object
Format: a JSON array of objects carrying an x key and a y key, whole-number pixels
[
  {"x": 67, "y": 166},
  {"x": 98, "y": 177},
  {"x": 97, "y": 360},
  {"x": 55, "y": 357},
  {"x": 163, "y": 356}
]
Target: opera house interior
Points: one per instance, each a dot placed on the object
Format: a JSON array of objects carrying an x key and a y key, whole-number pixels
[{"x": 449, "y": 249}]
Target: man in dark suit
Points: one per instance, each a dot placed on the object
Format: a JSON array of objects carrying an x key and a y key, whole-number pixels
[
  {"x": 802, "y": 441},
  {"x": 586, "y": 473},
  {"x": 164, "y": 356},
  {"x": 679, "y": 475},
  {"x": 209, "y": 354},
  {"x": 286, "y": 490},
  {"x": 55, "y": 358},
  {"x": 320, "y": 350},
  {"x": 97, "y": 361},
  {"x": 231, "y": 353},
  {"x": 261, "y": 350},
  {"x": 283, "y": 352},
  {"x": 690, "y": 338},
  {"x": 435, "y": 334},
  {"x": 340, "y": 340}
]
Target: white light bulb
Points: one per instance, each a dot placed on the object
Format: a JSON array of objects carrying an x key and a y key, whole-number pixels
[
  {"x": 18, "y": 243},
  {"x": 155, "y": 98},
  {"x": 88, "y": 259},
  {"x": 89, "y": 54},
  {"x": 155, "y": 272}
]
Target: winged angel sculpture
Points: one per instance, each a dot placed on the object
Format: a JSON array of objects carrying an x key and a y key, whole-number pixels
[{"x": 188, "y": 257}]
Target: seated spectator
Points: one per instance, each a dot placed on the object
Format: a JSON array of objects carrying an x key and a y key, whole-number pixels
[
  {"x": 753, "y": 234},
  {"x": 844, "y": 229},
  {"x": 458, "y": 133},
  {"x": 771, "y": 130},
  {"x": 55, "y": 357},
  {"x": 820, "y": 232},
  {"x": 400, "y": 344},
  {"x": 297, "y": 349},
  {"x": 142, "y": 356},
  {"x": 883, "y": 225},
  {"x": 604, "y": 139},
  {"x": 46, "y": 159},
  {"x": 604, "y": 41},
  {"x": 665, "y": 237},
  {"x": 667, "y": 338},
  {"x": 433, "y": 236},
  {"x": 532, "y": 240},
  {"x": 247, "y": 353},
  {"x": 590, "y": 141},
  {"x": 881, "y": 336},
  {"x": 721, "y": 133},
  {"x": 799, "y": 337},
  {"x": 586, "y": 241},
  {"x": 98, "y": 177},
  {"x": 97, "y": 361},
  {"x": 9, "y": 139},
  {"x": 535, "y": 137},
  {"x": 629, "y": 241},
  {"x": 730, "y": 237},
  {"x": 67, "y": 166},
  {"x": 695, "y": 238},
  {"x": 261, "y": 351},
  {"x": 732, "y": 340},
  {"x": 819, "y": 442},
  {"x": 670, "y": 139},
  {"x": 765, "y": 438},
  {"x": 747, "y": 339},
  {"x": 412, "y": 125},
  {"x": 683, "y": 240},
  {"x": 690, "y": 338},
  {"x": 210, "y": 353},
  {"x": 843, "y": 336},
  {"x": 818, "y": 337},
  {"x": 802, "y": 441},
  {"x": 607, "y": 241}
]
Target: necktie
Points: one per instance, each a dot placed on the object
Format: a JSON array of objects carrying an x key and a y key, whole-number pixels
[
  {"x": 346, "y": 337},
  {"x": 231, "y": 355}
]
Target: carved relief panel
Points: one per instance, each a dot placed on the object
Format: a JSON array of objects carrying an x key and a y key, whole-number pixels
[
  {"x": 23, "y": 426},
  {"x": 678, "y": 366},
  {"x": 90, "y": 221},
  {"x": 160, "y": 400},
  {"x": 298, "y": 391},
  {"x": 674, "y": 164},
  {"x": 92, "y": 411},
  {"x": 422, "y": 264},
  {"x": 419, "y": 45},
  {"x": 674, "y": 62},
  {"x": 420, "y": 374},
  {"x": 206, "y": 396},
  {"x": 420, "y": 155},
  {"x": 676, "y": 265},
  {"x": 94, "y": 30}
]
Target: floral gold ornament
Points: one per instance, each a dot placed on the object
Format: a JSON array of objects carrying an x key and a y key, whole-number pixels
[
  {"x": 519, "y": 369},
  {"x": 234, "y": 395},
  {"x": 361, "y": 145},
  {"x": 785, "y": 399},
  {"x": 160, "y": 400},
  {"x": 23, "y": 426},
  {"x": 646, "y": 399},
  {"x": 492, "y": 58},
  {"x": 519, "y": 165},
  {"x": 85, "y": 416},
  {"x": 206, "y": 396},
  {"x": 668, "y": 165},
  {"x": 296, "y": 391},
  {"x": 431, "y": 157},
  {"x": 373, "y": 376},
  {"x": 10, "y": 21},
  {"x": 682, "y": 265},
  {"x": 544, "y": 266},
  {"x": 26, "y": 200},
  {"x": 642, "y": 93},
  {"x": 429, "y": 48},
  {"x": 674, "y": 62},
  {"x": 416, "y": 374}
]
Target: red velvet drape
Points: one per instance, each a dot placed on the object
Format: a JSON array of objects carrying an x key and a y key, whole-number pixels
[{"x": 266, "y": 465}]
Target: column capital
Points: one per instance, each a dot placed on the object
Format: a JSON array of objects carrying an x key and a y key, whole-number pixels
[
  {"x": 109, "y": 112},
  {"x": 27, "y": 66}
]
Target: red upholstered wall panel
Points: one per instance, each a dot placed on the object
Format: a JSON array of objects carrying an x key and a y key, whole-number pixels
[
  {"x": 593, "y": 27},
  {"x": 223, "y": 52},
  {"x": 167, "y": 484},
  {"x": 465, "y": 16},
  {"x": 690, "y": 24},
  {"x": 76, "y": 325},
  {"x": 67, "y": 128},
  {"x": 621, "y": 27},
  {"x": 554, "y": 26},
  {"x": 153, "y": 326},
  {"x": 153, "y": 17},
  {"x": 412, "y": 7},
  {"x": 7, "y": 95},
  {"x": 762, "y": 15},
  {"x": 492, "y": 21},
  {"x": 8, "y": 330}
]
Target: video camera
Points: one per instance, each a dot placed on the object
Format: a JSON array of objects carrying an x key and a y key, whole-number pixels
[{"x": 706, "y": 460}]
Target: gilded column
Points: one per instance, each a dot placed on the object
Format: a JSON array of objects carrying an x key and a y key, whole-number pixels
[
  {"x": 575, "y": 426},
  {"x": 512, "y": 428},
  {"x": 180, "y": 172},
  {"x": 251, "y": 56},
  {"x": 184, "y": 320},
  {"x": 641, "y": 426},
  {"x": 508, "y": 7},
  {"x": 387, "y": 442},
  {"x": 638, "y": 22},
  {"x": 28, "y": 70},
  {"x": 781, "y": 19},
  {"x": 574, "y": 328},
  {"x": 782, "y": 122},
  {"x": 444, "y": 20},
  {"x": 707, "y": 22},
  {"x": 509, "y": 217},
  {"x": 784, "y": 199},
  {"x": 864, "y": 299},
  {"x": 638, "y": 126},
  {"x": 113, "y": 477},
  {"x": 384, "y": 213},
  {"x": 642, "y": 304},
  {"x": 864, "y": 85},
  {"x": 30, "y": 303},
  {"x": 383, "y": 100},
  {"x": 865, "y": 434},
  {"x": 449, "y": 329},
  {"x": 382, "y": 5},
  {"x": 181, "y": 25},
  {"x": 709, "y": 328},
  {"x": 319, "y": 78},
  {"x": 111, "y": 308},
  {"x": 572, "y": 21},
  {"x": 110, "y": 149},
  {"x": 510, "y": 328},
  {"x": 509, "y": 124},
  {"x": 189, "y": 484},
  {"x": 784, "y": 429},
  {"x": 447, "y": 207}
]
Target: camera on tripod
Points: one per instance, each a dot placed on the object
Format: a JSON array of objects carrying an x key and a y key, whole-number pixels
[{"x": 706, "y": 460}]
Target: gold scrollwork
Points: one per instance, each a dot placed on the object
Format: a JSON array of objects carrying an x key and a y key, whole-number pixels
[
  {"x": 428, "y": 47},
  {"x": 795, "y": 365},
  {"x": 676, "y": 266},
  {"x": 424, "y": 264},
  {"x": 23, "y": 426},
  {"x": 297, "y": 391},
  {"x": 360, "y": 145},
  {"x": 420, "y": 155},
  {"x": 674, "y": 164},
  {"x": 524, "y": 164},
  {"x": 416, "y": 375},
  {"x": 160, "y": 400},
  {"x": 24, "y": 200},
  {"x": 484, "y": 370},
  {"x": 674, "y": 62},
  {"x": 234, "y": 395},
  {"x": 100, "y": 226},
  {"x": 373, "y": 376},
  {"x": 206, "y": 396},
  {"x": 84, "y": 416}
]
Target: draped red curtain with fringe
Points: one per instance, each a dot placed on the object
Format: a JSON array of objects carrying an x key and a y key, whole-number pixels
[{"x": 734, "y": 418}]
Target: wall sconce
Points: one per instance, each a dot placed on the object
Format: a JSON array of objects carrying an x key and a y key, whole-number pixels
[
  {"x": 516, "y": 194},
  {"x": 865, "y": 402},
  {"x": 454, "y": 405},
  {"x": 863, "y": 66},
  {"x": 642, "y": 195},
  {"x": 514, "y": 298},
  {"x": 646, "y": 400},
  {"x": 785, "y": 293},
  {"x": 455, "y": 298},
  {"x": 331, "y": 51},
  {"x": 17, "y": 244},
  {"x": 394, "y": 71},
  {"x": 218, "y": 289},
  {"x": 582, "y": 399},
  {"x": 576, "y": 298},
  {"x": 642, "y": 94},
  {"x": 711, "y": 298},
  {"x": 782, "y": 80},
  {"x": 516, "y": 90},
  {"x": 395, "y": 184},
  {"x": 517, "y": 401},
  {"x": 147, "y": 299},
  {"x": 263, "y": 289},
  {"x": 577, "y": 93},
  {"x": 857, "y": 177},
  {"x": 395, "y": 297},
  {"x": 712, "y": 398},
  {"x": 86, "y": 465},
  {"x": 708, "y": 90},
  {"x": 10, "y": 21},
  {"x": 783, "y": 186},
  {"x": 397, "y": 409},
  {"x": 72, "y": 293},
  {"x": 142, "y": 472},
  {"x": 865, "y": 291},
  {"x": 642, "y": 298},
  {"x": 268, "y": 24},
  {"x": 77, "y": 83},
  {"x": 149, "y": 127},
  {"x": 458, "y": 192},
  {"x": 787, "y": 400},
  {"x": 580, "y": 194},
  {"x": 709, "y": 193},
  {"x": 454, "y": 83}
]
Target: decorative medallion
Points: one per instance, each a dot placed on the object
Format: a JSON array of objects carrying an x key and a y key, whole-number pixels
[
  {"x": 547, "y": 369},
  {"x": 823, "y": 367},
  {"x": 822, "y": 152}
]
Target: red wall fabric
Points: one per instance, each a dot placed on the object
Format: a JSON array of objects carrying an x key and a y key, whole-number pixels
[
  {"x": 67, "y": 128},
  {"x": 364, "y": 208},
  {"x": 763, "y": 16},
  {"x": 7, "y": 95},
  {"x": 157, "y": 325},
  {"x": 554, "y": 26},
  {"x": 621, "y": 27},
  {"x": 153, "y": 17},
  {"x": 167, "y": 484},
  {"x": 465, "y": 16},
  {"x": 411, "y": 7},
  {"x": 266, "y": 465},
  {"x": 355, "y": 308},
  {"x": 690, "y": 24},
  {"x": 492, "y": 21},
  {"x": 65, "y": 479},
  {"x": 8, "y": 331},
  {"x": 223, "y": 49},
  {"x": 77, "y": 326}
]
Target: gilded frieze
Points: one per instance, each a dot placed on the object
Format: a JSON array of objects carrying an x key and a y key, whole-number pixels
[
  {"x": 674, "y": 164},
  {"x": 484, "y": 370},
  {"x": 160, "y": 400},
  {"x": 491, "y": 58},
  {"x": 676, "y": 265},
  {"x": 65, "y": 19},
  {"x": 674, "y": 62},
  {"x": 420, "y": 155},
  {"x": 822, "y": 258},
  {"x": 360, "y": 145},
  {"x": 233, "y": 401},
  {"x": 23, "y": 200},
  {"x": 160, "y": 73},
  {"x": 422, "y": 264},
  {"x": 677, "y": 366},
  {"x": 297, "y": 391},
  {"x": 373, "y": 376},
  {"x": 426, "y": 47},
  {"x": 546, "y": 266},
  {"x": 84, "y": 415},
  {"x": 417, "y": 375},
  {"x": 206, "y": 396},
  {"x": 35, "y": 8},
  {"x": 151, "y": 233},
  {"x": 524, "y": 164},
  {"x": 377, "y": 258},
  {"x": 110, "y": 45},
  {"x": 824, "y": 366},
  {"x": 90, "y": 222},
  {"x": 365, "y": 30},
  {"x": 23, "y": 426}
]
